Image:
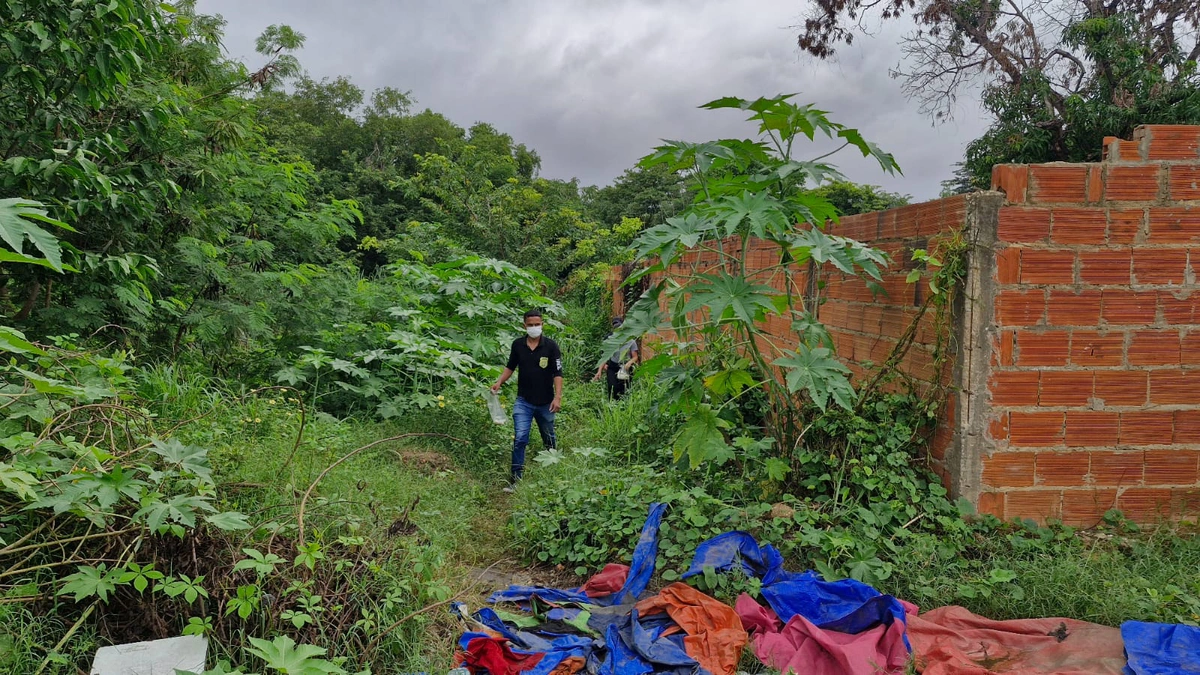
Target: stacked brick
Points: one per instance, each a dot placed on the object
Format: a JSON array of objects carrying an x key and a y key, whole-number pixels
[
  {"x": 1095, "y": 373},
  {"x": 866, "y": 326}
]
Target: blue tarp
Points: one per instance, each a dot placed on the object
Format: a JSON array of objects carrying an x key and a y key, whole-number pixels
[
  {"x": 633, "y": 646},
  {"x": 726, "y": 551},
  {"x": 640, "y": 572},
  {"x": 622, "y": 659},
  {"x": 846, "y": 606},
  {"x": 556, "y": 596},
  {"x": 1160, "y": 648},
  {"x": 561, "y": 649},
  {"x": 636, "y": 646},
  {"x": 645, "y": 556}
]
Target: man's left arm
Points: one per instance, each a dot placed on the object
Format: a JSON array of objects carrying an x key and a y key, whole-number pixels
[{"x": 556, "y": 404}]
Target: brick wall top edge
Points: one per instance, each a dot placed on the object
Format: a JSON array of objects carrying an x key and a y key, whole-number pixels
[{"x": 947, "y": 205}]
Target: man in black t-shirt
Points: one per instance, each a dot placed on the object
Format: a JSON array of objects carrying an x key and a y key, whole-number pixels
[{"x": 539, "y": 388}]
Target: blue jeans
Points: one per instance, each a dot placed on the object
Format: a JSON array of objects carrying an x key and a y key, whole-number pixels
[{"x": 524, "y": 414}]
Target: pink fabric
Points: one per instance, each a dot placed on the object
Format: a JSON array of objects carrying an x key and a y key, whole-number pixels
[
  {"x": 803, "y": 648},
  {"x": 608, "y": 581}
]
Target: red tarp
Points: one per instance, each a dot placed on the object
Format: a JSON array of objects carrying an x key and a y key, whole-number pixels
[
  {"x": 495, "y": 655},
  {"x": 610, "y": 580},
  {"x": 953, "y": 641}
]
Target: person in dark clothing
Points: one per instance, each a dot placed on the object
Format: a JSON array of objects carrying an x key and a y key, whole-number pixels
[
  {"x": 619, "y": 366},
  {"x": 538, "y": 361}
]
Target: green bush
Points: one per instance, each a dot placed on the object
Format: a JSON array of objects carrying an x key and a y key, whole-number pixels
[{"x": 579, "y": 510}]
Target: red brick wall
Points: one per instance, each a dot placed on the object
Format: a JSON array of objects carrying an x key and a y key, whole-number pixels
[
  {"x": 866, "y": 328},
  {"x": 1095, "y": 376}
]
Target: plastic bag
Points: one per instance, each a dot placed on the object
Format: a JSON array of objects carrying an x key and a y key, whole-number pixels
[
  {"x": 622, "y": 374},
  {"x": 495, "y": 407}
]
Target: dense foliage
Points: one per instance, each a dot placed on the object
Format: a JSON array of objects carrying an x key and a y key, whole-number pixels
[{"x": 224, "y": 214}]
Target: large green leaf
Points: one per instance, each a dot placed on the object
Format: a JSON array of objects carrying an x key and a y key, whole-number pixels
[
  {"x": 822, "y": 248},
  {"x": 729, "y": 382},
  {"x": 681, "y": 155},
  {"x": 886, "y": 161},
  {"x": 13, "y": 341},
  {"x": 91, "y": 581},
  {"x": 190, "y": 458},
  {"x": 818, "y": 373},
  {"x": 761, "y": 213},
  {"x": 229, "y": 521},
  {"x": 666, "y": 240},
  {"x": 18, "y": 482},
  {"x": 723, "y": 293},
  {"x": 16, "y": 225},
  {"x": 811, "y": 331},
  {"x": 700, "y": 438},
  {"x": 284, "y": 655}
]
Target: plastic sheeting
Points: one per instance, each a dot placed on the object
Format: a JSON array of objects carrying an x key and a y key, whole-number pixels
[
  {"x": 715, "y": 637},
  {"x": 953, "y": 641},
  {"x": 610, "y": 580},
  {"x": 802, "y": 647},
  {"x": 725, "y": 551},
  {"x": 496, "y": 657},
  {"x": 632, "y": 644},
  {"x": 644, "y": 557},
  {"x": 635, "y": 645},
  {"x": 812, "y": 626},
  {"x": 847, "y": 606},
  {"x": 1161, "y": 648}
]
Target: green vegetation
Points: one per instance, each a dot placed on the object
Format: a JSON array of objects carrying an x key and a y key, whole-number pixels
[
  {"x": 868, "y": 510},
  {"x": 248, "y": 315}
]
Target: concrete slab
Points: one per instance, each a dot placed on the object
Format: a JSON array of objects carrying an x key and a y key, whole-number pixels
[{"x": 155, "y": 657}]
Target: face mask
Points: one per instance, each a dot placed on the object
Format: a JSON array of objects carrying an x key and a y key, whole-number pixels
[{"x": 534, "y": 331}]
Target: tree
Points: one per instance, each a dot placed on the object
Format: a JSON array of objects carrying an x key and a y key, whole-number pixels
[
  {"x": 1133, "y": 80},
  {"x": 1057, "y": 75},
  {"x": 850, "y": 198},
  {"x": 719, "y": 367},
  {"x": 133, "y": 130},
  {"x": 650, "y": 194},
  {"x": 961, "y": 182}
]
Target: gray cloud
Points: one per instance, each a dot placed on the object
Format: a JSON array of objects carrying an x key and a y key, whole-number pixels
[{"x": 593, "y": 86}]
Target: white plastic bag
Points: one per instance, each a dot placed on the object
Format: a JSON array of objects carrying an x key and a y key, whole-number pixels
[
  {"x": 495, "y": 407},
  {"x": 622, "y": 374}
]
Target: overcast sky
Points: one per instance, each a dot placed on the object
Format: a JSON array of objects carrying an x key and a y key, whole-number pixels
[{"x": 594, "y": 85}]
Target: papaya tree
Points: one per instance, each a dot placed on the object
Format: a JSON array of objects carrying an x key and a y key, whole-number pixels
[{"x": 709, "y": 296}]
